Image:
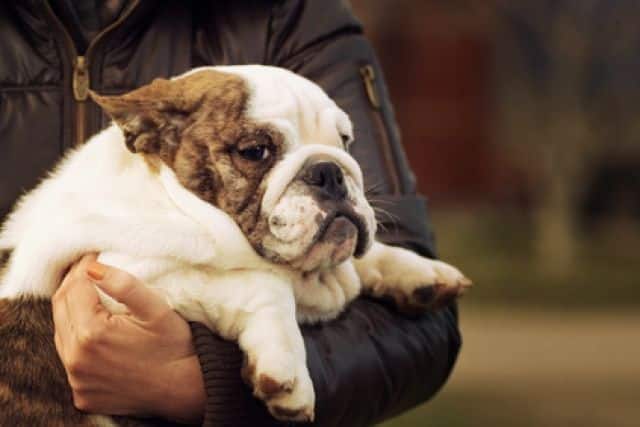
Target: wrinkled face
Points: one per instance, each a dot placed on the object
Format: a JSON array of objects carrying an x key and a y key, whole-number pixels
[{"x": 264, "y": 145}]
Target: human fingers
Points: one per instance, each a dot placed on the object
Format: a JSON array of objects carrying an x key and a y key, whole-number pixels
[
  {"x": 88, "y": 319},
  {"x": 74, "y": 272},
  {"x": 142, "y": 302},
  {"x": 62, "y": 314}
]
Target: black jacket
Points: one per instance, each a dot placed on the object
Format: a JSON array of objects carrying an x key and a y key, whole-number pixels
[{"x": 369, "y": 364}]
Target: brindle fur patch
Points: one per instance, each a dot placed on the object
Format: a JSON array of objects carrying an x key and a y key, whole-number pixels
[
  {"x": 194, "y": 124},
  {"x": 4, "y": 261},
  {"x": 33, "y": 385},
  {"x": 4, "y": 257}
]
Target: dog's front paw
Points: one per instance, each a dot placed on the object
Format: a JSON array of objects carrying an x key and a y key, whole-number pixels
[
  {"x": 434, "y": 285},
  {"x": 296, "y": 404},
  {"x": 413, "y": 283},
  {"x": 286, "y": 390},
  {"x": 269, "y": 375}
]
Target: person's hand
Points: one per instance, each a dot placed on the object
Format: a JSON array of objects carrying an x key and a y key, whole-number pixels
[{"x": 139, "y": 363}]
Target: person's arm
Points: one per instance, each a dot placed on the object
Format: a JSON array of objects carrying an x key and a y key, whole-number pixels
[{"x": 371, "y": 363}]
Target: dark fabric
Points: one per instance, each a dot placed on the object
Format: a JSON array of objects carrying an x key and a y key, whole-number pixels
[
  {"x": 229, "y": 400},
  {"x": 84, "y": 19},
  {"x": 369, "y": 364}
]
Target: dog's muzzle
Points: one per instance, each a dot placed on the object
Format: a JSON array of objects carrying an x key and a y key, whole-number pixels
[
  {"x": 317, "y": 213},
  {"x": 327, "y": 184}
]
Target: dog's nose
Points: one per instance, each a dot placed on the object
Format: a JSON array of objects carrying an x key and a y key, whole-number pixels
[{"x": 327, "y": 179}]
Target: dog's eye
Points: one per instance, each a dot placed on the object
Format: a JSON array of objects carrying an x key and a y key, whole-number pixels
[{"x": 256, "y": 153}]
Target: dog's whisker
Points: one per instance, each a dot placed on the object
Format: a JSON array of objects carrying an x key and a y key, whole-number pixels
[
  {"x": 373, "y": 187},
  {"x": 391, "y": 217},
  {"x": 380, "y": 201},
  {"x": 382, "y": 227}
]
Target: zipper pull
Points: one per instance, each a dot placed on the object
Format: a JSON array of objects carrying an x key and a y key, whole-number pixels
[
  {"x": 369, "y": 77},
  {"x": 80, "y": 79}
]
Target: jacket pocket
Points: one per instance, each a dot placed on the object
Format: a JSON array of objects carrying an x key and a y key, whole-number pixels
[{"x": 371, "y": 85}]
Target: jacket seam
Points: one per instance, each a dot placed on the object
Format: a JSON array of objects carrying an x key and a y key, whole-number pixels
[
  {"x": 391, "y": 161},
  {"x": 30, "y": 88},
  {"x": 270, "y": 32},
  {"x": 320, "y": 43},
  {"x": 317, "y": 43}
]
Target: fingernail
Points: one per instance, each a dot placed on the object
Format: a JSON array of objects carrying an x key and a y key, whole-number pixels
[{"x": 95, "y": 270}]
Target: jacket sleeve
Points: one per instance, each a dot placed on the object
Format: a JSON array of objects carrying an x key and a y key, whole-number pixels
[{"x": 371, "y": 363}]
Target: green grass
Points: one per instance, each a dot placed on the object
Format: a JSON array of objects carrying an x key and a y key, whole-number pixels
[{"x": 498, "y": 253}]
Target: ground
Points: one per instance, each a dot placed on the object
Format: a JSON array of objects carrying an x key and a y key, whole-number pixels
[{"x": 539, "y": 349}]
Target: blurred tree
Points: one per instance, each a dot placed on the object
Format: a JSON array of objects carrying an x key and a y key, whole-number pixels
[{"x": 567, "y": 95}]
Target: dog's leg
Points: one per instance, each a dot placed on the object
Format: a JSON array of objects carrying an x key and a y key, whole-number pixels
[
  {"x": 275, "y": 357},
  {"x": 414, "y": 283},
  {"x": 258, "y": 309},
  {"x": 275, "y": 364}
]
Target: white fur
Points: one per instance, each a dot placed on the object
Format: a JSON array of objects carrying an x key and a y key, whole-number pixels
[
  {"x": 102, "y": 421},
  {"x": 105, "y": 199}
]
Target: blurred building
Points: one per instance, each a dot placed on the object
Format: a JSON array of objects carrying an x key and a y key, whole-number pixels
[
  {"x": 437, "y": 63},
  {"x": 531, "y": 104}
]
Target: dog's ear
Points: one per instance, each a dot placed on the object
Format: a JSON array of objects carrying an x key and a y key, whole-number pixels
[{"x": 152, "y": 116}]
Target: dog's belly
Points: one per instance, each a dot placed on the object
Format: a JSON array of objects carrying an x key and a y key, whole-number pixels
[{"x": 319, "y": 296}]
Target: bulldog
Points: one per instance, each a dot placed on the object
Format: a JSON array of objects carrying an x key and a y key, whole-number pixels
[{"x": 231, "y": 191}]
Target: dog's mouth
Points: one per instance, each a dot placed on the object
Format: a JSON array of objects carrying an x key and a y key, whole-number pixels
[
  {"x": 342, "y": 234},
  {"x": 342, "y": 224}
]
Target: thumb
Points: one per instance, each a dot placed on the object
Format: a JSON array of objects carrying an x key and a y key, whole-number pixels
[{"x": 142, "y": 301}]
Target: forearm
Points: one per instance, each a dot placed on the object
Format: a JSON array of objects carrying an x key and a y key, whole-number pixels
[{"x": 369, "y": 365}]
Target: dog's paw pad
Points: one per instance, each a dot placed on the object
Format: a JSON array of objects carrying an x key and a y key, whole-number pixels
[
  {"x": 431, "y": 297},
  {"x": 268, "y": 386},
  {"x": 297, "y": 404}
]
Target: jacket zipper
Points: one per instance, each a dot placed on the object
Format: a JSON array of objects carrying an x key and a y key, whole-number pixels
[
  {"x": 369, "y": 77},
  {"x": 80, "y": 86},
  {"x": 81, "y": 79},
  {"x": 368, "y": 74}
]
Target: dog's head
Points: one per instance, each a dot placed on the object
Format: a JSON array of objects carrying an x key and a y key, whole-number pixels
[{"x": 267, "y": 147}]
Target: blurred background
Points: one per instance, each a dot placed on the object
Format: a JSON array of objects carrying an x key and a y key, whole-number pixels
[{"x": 521, "y": 120}]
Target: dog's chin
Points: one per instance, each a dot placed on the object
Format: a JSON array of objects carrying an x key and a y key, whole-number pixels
[{"x": 335, "y": 242}]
